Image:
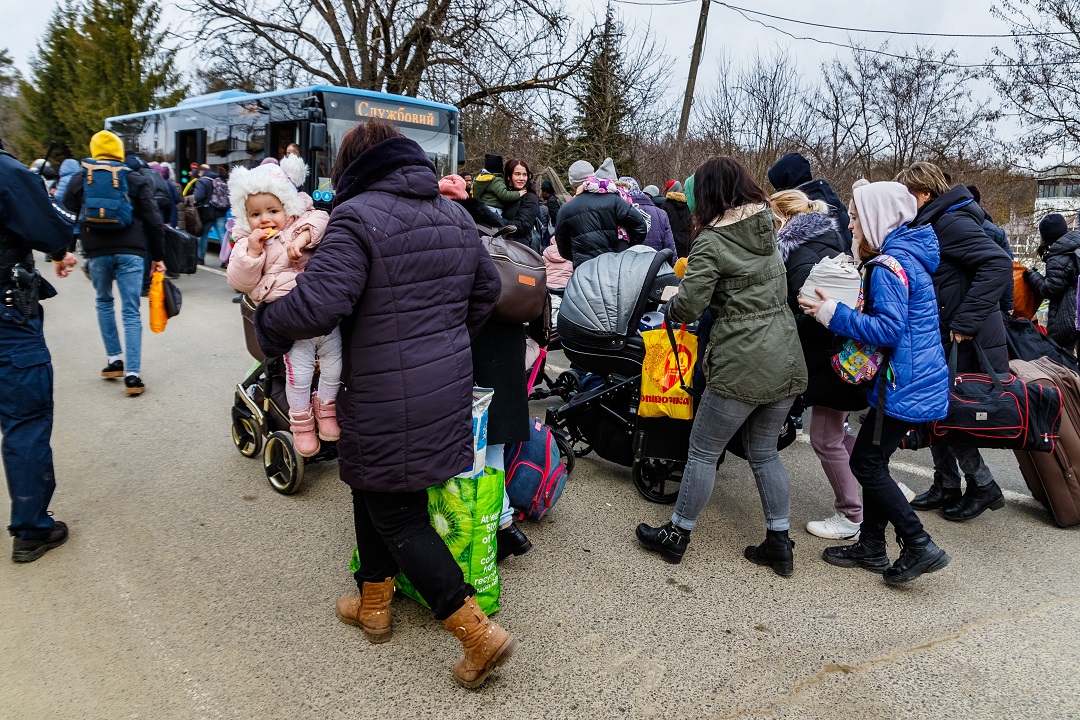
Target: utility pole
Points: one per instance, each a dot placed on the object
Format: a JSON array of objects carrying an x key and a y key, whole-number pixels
[{"x": 691, "y": 80}]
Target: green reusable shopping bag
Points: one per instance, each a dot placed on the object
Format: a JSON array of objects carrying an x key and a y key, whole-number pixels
[{"x": 465, "y": 512}]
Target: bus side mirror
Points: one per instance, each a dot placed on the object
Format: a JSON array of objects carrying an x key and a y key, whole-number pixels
[
  {"x": 460, "y": 151},
  {"x": 317, "y": 136}
]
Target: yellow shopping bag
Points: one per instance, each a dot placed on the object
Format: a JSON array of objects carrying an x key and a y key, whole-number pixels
[
  {"x": 667, "y": 375},
  {"x": 158, "y": 316}
]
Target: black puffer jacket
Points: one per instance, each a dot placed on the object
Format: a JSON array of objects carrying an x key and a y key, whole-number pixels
[
  {"x": 792, "y": 171},
  {"x": 803, "y": 242},
  {"x": 589, "y": 225},
  {"x": 679, "y": 216},
  {"x": 973, "y": 274},
  {"x": 522, "y": 215},
  {"x": 1058, "y": 285}
]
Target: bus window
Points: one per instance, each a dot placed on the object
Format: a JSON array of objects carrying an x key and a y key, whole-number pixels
[{"x": 281, "y": 134}]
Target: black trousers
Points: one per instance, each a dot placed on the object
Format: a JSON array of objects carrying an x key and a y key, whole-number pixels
[
  {"x": 393, "y": 532},
  {"x": 883, "y": 501}
]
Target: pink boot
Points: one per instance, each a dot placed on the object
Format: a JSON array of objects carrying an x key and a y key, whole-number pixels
[
  {"x": 326, "y": 417},
  {"x": 302, "y": 427}
]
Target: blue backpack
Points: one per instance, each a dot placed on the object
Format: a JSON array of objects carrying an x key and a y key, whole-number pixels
[
  {"x": 106, "y": 203},
  {"x": 535, "y": 474}
]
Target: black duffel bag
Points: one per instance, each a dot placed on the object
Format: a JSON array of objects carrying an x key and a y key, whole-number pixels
[
  {"x": 997, "y": 410},
  {"x": 181, "y": 251},
  {"x": 1027, "y": 342}
]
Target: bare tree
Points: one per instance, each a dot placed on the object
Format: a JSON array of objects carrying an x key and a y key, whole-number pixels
[{"x": 465, "y": 51}]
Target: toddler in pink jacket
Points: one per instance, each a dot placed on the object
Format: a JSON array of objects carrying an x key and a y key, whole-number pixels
[{"x": 276, "y": 231}]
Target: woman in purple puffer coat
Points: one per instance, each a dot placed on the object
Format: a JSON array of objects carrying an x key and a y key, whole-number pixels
[{"x": 402, "y": 270}]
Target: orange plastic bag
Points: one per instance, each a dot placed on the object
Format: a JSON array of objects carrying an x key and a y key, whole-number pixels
[
  {"x": 1025, "y": 300},
  {"x": 665, "y": 371},
  {"x": 158, "y": 316}
]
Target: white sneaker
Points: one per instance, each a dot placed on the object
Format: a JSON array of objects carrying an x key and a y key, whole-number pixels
[
  {"x": 909, "y": 494},
  {"x": 838, "y": 527}
]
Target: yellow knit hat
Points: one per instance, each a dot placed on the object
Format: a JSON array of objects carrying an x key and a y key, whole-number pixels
[{"x": 106, "y": 146}]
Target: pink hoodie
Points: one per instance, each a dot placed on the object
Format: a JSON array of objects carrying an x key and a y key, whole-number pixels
[
  {"x": 559, "y": 269},
  {"x": 273, "y": 274}
]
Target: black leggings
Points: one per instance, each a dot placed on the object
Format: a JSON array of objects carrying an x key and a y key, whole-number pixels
[
  {"x": 393, "y": 532},
  {"x": 883, "y": 501}
]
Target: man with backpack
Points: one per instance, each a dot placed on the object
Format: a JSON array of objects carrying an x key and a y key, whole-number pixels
[
  {"x": 212, "y": 200},
  {"x": 120, "y": 223}
]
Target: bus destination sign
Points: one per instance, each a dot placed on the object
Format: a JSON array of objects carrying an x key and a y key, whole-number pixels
[{"x": 399, "y": 114}]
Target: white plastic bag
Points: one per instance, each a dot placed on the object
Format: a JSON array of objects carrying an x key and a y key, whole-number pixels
[
  {"x": 838, "y": 277},
  {"x": 480, "y": 403}
]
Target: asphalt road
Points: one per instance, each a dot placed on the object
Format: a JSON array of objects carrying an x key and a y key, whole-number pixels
[{"x": 189, "y": 589}]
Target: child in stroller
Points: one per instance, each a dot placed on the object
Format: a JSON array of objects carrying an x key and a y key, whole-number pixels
[
  {"x": 599, "y": 329},
  {"x": 276, "y": 230}
]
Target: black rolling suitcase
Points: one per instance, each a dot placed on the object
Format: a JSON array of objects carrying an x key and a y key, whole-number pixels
[{"x": 181, "y": 251}]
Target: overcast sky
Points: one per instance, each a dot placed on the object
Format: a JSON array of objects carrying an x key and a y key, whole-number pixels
[{"x": 674, "y": 25}]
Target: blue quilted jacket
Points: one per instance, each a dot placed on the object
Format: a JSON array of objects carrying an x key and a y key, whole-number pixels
[{"x": 907, "y": 321}]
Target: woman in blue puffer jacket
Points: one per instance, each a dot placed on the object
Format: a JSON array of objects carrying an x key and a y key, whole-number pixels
[{"x": 904, "y": 319}]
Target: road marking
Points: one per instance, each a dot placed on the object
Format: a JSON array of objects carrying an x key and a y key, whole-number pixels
[
  {"x": 213, "y": 270},
  {"x": 928, "y": 473}
]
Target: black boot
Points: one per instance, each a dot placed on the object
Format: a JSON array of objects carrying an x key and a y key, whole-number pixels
[
  {"x": 936, "y": 497},
  {"x": 669, "y": 540},
  {"x": 975, "y": 502},
  {"x": 917, "y": 556},
  {"x": 866, "y": 553},
  {"x": 774, "y": 552},
  {"x": 510, "y": 541},
  {"x": 30, "y": 550}
]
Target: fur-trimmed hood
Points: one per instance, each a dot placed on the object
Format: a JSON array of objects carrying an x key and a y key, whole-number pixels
[
  {"x": 801, "y": 229},
  {"x": 676, "y": 196},
  {"x": 279, "y": 180}
]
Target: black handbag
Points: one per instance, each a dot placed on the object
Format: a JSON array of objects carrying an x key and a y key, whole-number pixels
[{"x": 996, "y": 410}]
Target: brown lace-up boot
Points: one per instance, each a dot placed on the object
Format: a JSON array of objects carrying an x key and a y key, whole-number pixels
[
  {"x": 370, "y": 610},
  {"x": 486, "y": 645}
]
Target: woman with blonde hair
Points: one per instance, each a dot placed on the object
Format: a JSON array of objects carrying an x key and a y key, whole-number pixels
[{"x": 806, "y": 236}]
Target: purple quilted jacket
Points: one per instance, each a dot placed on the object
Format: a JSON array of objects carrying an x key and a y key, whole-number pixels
[{"x": 402, "y": 270}]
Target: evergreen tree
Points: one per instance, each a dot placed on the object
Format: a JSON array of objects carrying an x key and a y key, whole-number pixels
[
  {"x": 9, "y": 99},
  {"x": 102, "y": 59},
  {"x": 603, "y": 109}
]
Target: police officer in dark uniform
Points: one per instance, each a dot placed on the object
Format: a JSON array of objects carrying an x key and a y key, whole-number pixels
[{"x": 28, "y": 221}]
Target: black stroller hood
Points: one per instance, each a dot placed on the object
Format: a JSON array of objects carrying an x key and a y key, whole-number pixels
[{"x": 606, "y": 295}]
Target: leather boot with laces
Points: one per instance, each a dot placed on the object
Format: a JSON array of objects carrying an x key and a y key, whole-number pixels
[
  {"x": 370, "y": 610},
  {"x": 938, "y": 496},
  {"x": 669, "y": 540},
  {"x": 776, "y": 552},
  {"x": 486, "y": 644},
  {"x": 866, "y": 553},
  {"x": 918, "y": 555}
]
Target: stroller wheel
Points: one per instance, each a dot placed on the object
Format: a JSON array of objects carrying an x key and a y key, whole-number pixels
[
  {"x": 284, "y": 468},
  {"x": 658, "y": 481},
  {"x": 246, "y": 434},
  {"x": 565, "y": 385},
  {"x": 566, "y": 450}
]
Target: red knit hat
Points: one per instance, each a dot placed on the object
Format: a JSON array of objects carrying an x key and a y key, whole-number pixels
[
  {"x": 453, "y": 187},
  {"x": 669, "y": 184}
]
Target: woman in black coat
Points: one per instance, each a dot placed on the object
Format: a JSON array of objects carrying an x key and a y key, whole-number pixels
[
  {"x": 402, "y": 270},
  {"x": 522, "y": 214},
  {"x": 1058, "y": 284},
  {"x": 970, "y": 281},
  {"x": 806, "y": 237}
]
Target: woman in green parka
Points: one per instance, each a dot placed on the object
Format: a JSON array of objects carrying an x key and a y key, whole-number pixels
[{"x": 753, "y": 362}]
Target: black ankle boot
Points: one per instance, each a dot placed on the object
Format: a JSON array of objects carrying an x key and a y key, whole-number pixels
[
  {"x": 669, "y": 540},
  {"x": 936, "y": 497},
  {"x": 510, "y": 541},
  {"x": 866, "y": 553},
  {"x": 918, "y": 555},
  {"x": 775, "y": 552},
  {"x": 975, "y": 502}
]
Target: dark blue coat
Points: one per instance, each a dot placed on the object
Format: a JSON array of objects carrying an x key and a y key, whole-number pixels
[
  {"x": 402, "y": 270},
  {"x": 907, "y": 321}
]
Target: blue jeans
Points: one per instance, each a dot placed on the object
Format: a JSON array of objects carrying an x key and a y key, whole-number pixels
[
  {"x": 716, "y": 421},
  {"x": 219, "y": 225},
  {"x": 26, "y": 419},
  {"x": 127, "y": 271}
]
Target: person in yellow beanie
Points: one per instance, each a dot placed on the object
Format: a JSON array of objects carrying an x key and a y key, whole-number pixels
[{"x": 115, "y": 247}]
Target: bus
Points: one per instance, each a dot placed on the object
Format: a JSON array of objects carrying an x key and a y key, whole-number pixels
[{"x": 237, "y": 128}]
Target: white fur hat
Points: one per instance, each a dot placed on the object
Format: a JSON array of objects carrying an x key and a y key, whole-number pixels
[{"x": 279, "y": 180}]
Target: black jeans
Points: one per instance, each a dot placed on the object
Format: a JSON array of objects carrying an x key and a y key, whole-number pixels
[
  {"x": 883, "y": 501},
  {"x": 393, "y": 532}
]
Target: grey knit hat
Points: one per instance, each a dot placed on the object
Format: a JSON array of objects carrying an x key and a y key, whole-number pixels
[
  {"x": 651, "y": 191},
  {"x": 579, "y": 171},
  {"x": 606, "y": 171}
]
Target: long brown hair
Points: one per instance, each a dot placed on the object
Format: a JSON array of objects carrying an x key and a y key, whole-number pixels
[
  {"x": 356, "y": 141},
  {"x": 720, "y": 184}
]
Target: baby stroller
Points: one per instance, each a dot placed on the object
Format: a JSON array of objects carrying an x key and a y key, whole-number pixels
[
  {"x": 260, "y": 417},
  {"x": 599, "y": 329}
]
